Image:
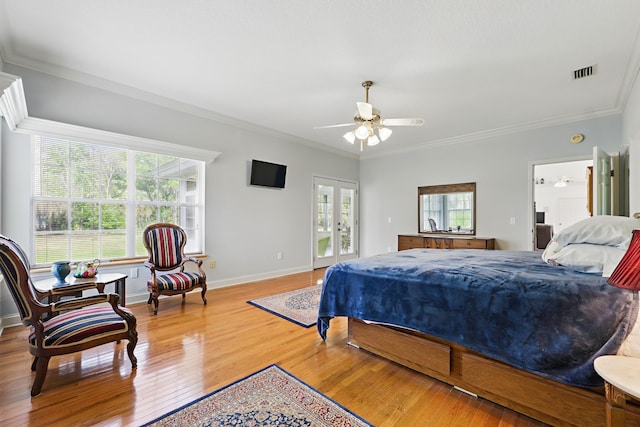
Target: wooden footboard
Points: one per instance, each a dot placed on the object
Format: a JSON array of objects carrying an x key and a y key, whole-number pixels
[{"x": 540, "y": 398}]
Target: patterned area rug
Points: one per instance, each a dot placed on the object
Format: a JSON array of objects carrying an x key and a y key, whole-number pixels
[
  {"x": 299, "y": 306},
  {"x": 270, "y": 397}
]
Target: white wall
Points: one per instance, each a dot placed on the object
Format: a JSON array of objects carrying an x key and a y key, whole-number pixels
[
  {"x": 245, "y": 226},
  {"x": 499, "y": 165}
]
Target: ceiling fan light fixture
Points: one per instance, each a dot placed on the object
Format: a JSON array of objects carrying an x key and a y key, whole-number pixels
[
  {"x": 350, "y": 137},
  {"x": 384, "y": 133},
  {"x": 370, "y": 127},
  {"x": 365, "y": 110},
  {"x": 362, "y": 132},
  {"x": 373, "y": 140}
]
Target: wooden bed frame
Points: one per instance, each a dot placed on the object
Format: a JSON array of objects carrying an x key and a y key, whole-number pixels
[{"x": 540, "y": 398}]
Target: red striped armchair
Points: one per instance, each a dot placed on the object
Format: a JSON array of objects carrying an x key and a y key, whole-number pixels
[
  {"x": 165, "y": 244},
  {"x": 66, "y": 326}
]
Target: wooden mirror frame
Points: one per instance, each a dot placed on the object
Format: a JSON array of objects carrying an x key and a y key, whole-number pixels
[{"x": 469, "y": 187}]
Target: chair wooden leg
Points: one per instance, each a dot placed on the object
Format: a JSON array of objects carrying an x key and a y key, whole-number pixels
[
  {"x": 204, "y": 296},
  {"x": 133, "y": 340},
  {"x": 150, "y": 298},
  {"x": 155, "y": 305},
  {"x": 34, "y": 364},
  {"x": 41, "y": 373}
]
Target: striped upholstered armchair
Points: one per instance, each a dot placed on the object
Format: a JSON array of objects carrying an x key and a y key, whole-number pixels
[
  {"x": 165, "y": 244},
  {"x": 66, "y": 326}
]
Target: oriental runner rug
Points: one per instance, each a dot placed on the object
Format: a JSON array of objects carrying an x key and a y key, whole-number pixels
[
  {"x": 299, "y": 306},
  {"x": 270, "y": 397}
]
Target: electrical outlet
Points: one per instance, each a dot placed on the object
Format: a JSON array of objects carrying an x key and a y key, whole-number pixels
[
  {"x": 133, "y": 273},
  {"x": 212, "y": 264},
  {"x": 279, "y": 255},
  {"x": 512, "y": 221}
]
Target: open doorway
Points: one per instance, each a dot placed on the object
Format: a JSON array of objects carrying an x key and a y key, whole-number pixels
[
  {"x": 566, "y": 191},
  {"x": 560, "y": 197}
]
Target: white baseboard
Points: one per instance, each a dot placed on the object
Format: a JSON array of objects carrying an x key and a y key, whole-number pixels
[
  {"x": 9, "y": 321},
  {"x": 12, "y": 320},
  {"x": 255, "y": 277}
]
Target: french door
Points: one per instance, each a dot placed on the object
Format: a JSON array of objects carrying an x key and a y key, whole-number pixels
[{"x": 335, "y": 223}]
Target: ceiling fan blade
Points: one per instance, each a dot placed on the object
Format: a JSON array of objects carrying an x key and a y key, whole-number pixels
[
  {"x": 403, "y": 122},
  {"x": 365, "y": 110},
  {"x": 333, "y": 126}
]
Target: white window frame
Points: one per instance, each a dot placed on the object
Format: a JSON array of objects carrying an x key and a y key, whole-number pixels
[{"x": 49, "y": 128}]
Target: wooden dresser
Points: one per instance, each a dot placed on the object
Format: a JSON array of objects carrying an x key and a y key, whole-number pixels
[{"x": 438, "y": 241}]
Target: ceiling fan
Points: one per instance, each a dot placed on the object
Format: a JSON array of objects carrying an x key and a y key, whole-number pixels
[{"x": 369, "y": 126}]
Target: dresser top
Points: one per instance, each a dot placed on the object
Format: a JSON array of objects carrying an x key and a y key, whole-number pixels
[{"x": 452, "y": 235}]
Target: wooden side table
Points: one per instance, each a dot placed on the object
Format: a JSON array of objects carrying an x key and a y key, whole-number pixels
[
  {"x": 621, "y": 376},
  {"x": 53, "y": 293}
]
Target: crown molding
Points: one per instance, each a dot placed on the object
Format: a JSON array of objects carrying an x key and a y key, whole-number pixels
[
  {"x": 13, "y": 106},
  {"x": 630, "y": 75},
  {"x": 492, "y": 133},
  {"x": 162, "y": 101},
  {"x": 42, "y": 127}
]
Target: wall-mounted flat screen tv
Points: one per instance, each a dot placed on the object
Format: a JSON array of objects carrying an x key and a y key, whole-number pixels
[{"x": 267, "y": 174}]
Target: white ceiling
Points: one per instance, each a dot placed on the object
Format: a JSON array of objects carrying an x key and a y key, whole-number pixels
[{"x": 469, "y": 68}]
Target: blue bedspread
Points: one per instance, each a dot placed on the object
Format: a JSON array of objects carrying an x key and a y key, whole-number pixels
[{"x": 508, "y": 305}]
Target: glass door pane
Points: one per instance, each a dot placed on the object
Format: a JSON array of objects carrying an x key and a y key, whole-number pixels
[
  {"x": 325, "y": 206},
  {"x": 346, "y": 221}
]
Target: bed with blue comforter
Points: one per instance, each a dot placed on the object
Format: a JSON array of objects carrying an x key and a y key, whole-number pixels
[{"x": 508, "y": 305}]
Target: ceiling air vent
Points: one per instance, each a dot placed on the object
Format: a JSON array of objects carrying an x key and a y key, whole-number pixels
[{"x": 584, "y": 72}]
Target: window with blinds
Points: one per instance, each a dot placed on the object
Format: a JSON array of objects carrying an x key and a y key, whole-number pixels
[{"x": 93, "y": 201}]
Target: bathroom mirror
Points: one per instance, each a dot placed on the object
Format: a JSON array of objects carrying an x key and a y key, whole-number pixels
[{"x": 447, "y": 209}]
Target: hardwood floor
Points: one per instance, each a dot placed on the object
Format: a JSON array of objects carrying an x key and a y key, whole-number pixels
[{"x": 190, "y": 350}]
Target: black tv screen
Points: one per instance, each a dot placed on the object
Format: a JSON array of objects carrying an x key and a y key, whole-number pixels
[
  {"x": 268, "y": 174},
  {"x": 539, "y": 217}
]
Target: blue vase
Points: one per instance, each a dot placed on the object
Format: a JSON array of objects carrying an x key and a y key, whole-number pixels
[{"x": 60, "y": 270}]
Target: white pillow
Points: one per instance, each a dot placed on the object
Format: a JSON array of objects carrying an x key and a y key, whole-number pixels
[
  {"x": 551, "y": 249},
  {"x": 584, "y": 257},
  {"x": 599, "y": 230}
]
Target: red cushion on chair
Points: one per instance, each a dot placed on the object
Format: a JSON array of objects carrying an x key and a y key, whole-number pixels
[
  {"x": 177, "y": 281},
  {"x": 72, "y": 327}
]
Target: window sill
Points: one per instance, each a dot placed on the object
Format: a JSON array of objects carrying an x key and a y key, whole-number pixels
[{"x": 123, "y": 261}]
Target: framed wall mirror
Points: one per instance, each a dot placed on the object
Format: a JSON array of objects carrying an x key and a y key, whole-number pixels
[{"x": 447, "y": 209}]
